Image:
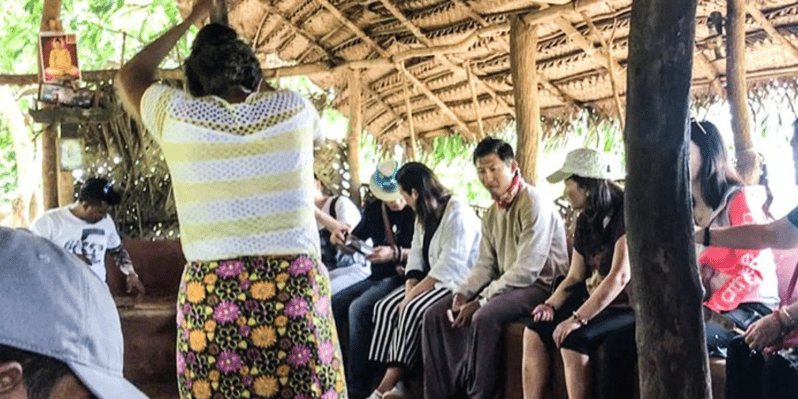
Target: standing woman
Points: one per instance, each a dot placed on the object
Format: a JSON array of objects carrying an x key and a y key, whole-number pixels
[
  {"x": 445, "y": 246},
  {"x": 741, "y": 284},
  {"x": 591, "y": 301},
  {"x": 254, "y": 316}
]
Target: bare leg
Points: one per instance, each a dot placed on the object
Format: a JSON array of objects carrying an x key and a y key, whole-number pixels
[
  {"x": 535, "y": 365},
  {"x": 577, "y": 374},
  {"x": 389, "y": 380}
]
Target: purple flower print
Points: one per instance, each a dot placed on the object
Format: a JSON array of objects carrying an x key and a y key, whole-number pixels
[
  {"x": 228, "y": 362},
  {"x": 230, "y": 268},
  {"x": 323, "y": 306},
  {"x": 185, "y": 334},
  {"x": 245, "y": 284},
  {"x": 299, "y": 356},
  {"x": 297, "y": 307},
  {"x": 301, "y": 396},
  {"x": 181, "y": 363},
  {"x": 191, "y": 357},
  {"x": 299, "y": 266},
  {"x": 326, "y": 352},
  {"x": 244, "y": 331},
  {"x": 225, "y": 312},
  {"x": 186, "y": 308},
  {"x": 253, "y": 354},
  {"x": 330, "y": 394},
  {"x": 251, "y": 305},
  {"x": 247, "y": 380}
]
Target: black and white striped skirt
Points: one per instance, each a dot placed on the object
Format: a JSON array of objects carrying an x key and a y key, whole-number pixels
[{"x": 397, "y": 337}]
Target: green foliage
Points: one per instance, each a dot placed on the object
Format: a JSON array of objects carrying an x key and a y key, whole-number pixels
[{"x": 8, "y": 166}]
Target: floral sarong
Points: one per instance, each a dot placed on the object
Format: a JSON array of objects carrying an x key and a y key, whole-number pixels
[{"x": 257, "y": 327}]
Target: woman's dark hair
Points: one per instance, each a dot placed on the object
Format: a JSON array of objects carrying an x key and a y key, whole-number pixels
[
  {"x": 492, "y": 145},
  {"x": 219, "y": 61},
  {"x": 603, "y": 194},
  {"x": 39, "y": 372},
  {"x": 432, "y": 196},
  {"x": 716, "y": 174}
]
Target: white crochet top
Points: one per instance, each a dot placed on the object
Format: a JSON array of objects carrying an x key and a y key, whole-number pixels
[{"x": 242, "y": 173}]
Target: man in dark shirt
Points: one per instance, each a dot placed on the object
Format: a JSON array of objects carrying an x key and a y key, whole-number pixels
[{"x": 353, "y": 306}]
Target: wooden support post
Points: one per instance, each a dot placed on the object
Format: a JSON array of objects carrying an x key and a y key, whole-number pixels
[
  {"x": 747, "y": 160},
  {"x": 413, "y": 149},
  {"x": 51, "y": 21},
  {"x": 219, "y": 13},
  {"x": 671, "y": 344},
  {"x": 50, "y": 167},
  {"x": 523, "y": 50},
  {"x": 353, "y": 140}
]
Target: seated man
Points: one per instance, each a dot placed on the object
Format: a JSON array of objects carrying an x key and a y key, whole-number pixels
[
  {"x": 86, "y": 230},
  {"x": 523, "y": 248},
  {"x": 56, "y": 341}
]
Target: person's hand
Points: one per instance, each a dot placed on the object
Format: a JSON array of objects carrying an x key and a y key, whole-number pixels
[
  {"x": 134, "y": 284},
  {"x": 543, "y": 312},
  {"x": 458, "y": 300},
  {"x": 338, "y": 237},
  {"x": 201, "y": 10},
  {"x": 763, "y": 332},
  {"x": 466, "y": 312},
  {"x": 381, "y": 254},
  {"x": 563, "y": 329}
]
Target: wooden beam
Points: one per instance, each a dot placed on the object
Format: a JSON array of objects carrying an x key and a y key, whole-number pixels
[
  {"x": 747, "y": 161},
  {"x": 444, "y": 59},
  {"x": 362, "y": 35},
  {"x": 558, "y": 11},
  {"x": 445, "y": 108},
  {"x": 219, "y": 12},
  {"x": 616, "y": 92},
  {"x": 353, "y": 139},
  {"x": 670, "y": 338},
  {"x": 523, "y": 52},
  {"x": 598, "y": 57},
  {"x": 51, "y": 21},
  {"x": 770, "y": 29},
  {"x": 714, "y": 72},
  {"x": 297, "y": 30},
  {"x": 474, "y": 100}
]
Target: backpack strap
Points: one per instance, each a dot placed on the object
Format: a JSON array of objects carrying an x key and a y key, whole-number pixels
[{"x": 332, "y": 207}]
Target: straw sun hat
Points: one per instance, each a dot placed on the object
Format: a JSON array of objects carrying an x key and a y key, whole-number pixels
[
  {"x": 383, "y": 182},
  {"x": 585, "y": 162}
]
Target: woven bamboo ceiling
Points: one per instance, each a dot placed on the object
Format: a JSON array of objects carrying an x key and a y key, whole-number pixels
[{"x": 449, "y": 59}]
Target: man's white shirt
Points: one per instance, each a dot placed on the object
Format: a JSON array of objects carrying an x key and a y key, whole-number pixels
[{"x": 79, "y": 237}]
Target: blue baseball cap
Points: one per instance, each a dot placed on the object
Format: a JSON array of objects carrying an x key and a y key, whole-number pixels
[{"x": 53, "y": 305}]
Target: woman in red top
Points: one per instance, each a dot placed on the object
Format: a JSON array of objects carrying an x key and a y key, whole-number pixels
[{"x": 739, "y": 283}]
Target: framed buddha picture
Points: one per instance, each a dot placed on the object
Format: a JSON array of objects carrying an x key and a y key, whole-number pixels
[{"x": 58, "y": 56}]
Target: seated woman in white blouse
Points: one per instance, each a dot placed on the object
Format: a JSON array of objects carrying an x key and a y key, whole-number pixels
[{"x": 445, "y": 247}]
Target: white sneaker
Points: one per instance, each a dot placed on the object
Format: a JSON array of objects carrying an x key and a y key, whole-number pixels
[
  {"x": 398, "y": 392},
  {"x": 375, "y": 395}
]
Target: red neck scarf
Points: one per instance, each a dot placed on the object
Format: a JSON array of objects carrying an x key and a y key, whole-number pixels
[{"x": 505, "y": 200}]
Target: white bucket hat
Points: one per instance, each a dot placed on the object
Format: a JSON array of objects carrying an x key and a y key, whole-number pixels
[
  {"x": 584, "y": 162},
  {"x": 383, "y": 182},
  {"x": 54, "y": 305}
]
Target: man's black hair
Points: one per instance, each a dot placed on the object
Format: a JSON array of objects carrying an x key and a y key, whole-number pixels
[
  {"x": 492, "y": 145},
  {"x": 98, "y": 189},
  {"x": 39, "y": 372}
]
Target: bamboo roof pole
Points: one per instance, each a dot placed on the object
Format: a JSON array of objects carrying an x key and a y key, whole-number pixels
[
  {"x": 353, "y": 138},
  {"x": 771, "y": 30},
  {"x": 523, "y": 50},
  {"x": 444, "y": 59},
  {"x": 747, "y": 160},
  {"x": 672, "y": 351},
  {"x": 413, "y": 149},
  {"x": 610, "y": 66},
  {"x": 363, "y": 36},
  {"x": 474, "y": 100},
  {"x": 219, "y": 12},
  {"x": 542, "y": 79}
]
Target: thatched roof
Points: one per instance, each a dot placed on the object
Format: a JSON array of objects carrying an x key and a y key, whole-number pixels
[{"x": 577, "y": 42}]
